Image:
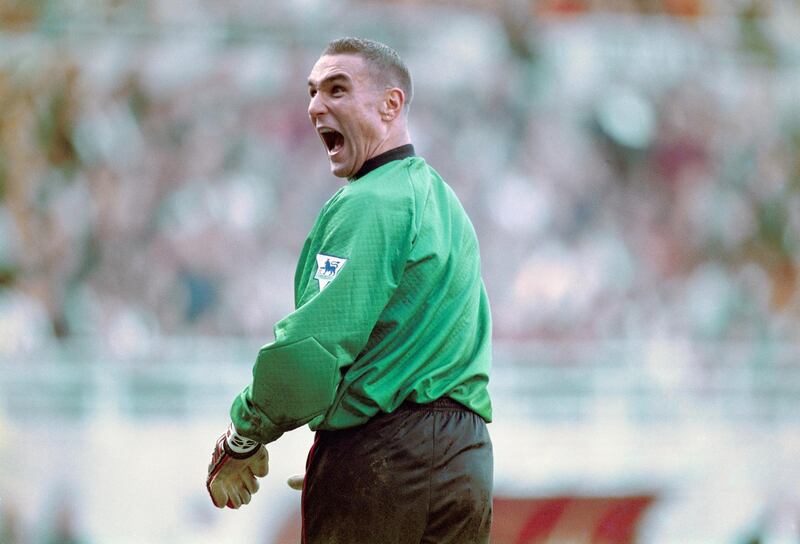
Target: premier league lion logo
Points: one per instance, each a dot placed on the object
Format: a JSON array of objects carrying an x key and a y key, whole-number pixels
[{"x": 328, "y": 267}]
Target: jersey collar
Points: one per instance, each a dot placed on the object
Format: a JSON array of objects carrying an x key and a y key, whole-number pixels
[{"x": 396, "y": 154}]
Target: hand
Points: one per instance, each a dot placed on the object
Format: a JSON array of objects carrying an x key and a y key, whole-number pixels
[
  {"x": 232, "y": 475},
  {"x": 296, "y": 482}
]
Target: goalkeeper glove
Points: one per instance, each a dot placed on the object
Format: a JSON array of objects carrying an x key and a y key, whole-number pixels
[
  {"x": 235, "y": 463},
  {"x": 296, "y": 482}
]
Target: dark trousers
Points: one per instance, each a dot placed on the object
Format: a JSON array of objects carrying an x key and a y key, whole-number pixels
[{"x": 420, "y": 475}]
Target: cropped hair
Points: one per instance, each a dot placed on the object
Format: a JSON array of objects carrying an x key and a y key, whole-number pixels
[{"x": 384, "y": 63}]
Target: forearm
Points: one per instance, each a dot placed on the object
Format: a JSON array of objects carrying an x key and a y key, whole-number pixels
[
  {"x": 292, "y": 384},
  {"x": 252, "y": 422}
]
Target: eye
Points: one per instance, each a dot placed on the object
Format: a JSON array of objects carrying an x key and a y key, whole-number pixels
[
  {"x": 312, "y": 92},
  {"x": 337, "y": 90}
]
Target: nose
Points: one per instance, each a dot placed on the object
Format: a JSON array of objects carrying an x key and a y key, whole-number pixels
[{"x": 315, "y": 106}]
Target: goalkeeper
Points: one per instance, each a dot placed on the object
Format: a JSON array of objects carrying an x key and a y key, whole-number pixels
[{"x": 388, "y": 352}]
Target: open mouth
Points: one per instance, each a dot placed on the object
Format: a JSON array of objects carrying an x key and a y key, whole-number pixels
[{"x": 333, "y": 140}]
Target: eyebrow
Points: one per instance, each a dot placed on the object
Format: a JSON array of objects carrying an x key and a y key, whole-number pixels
[{"x": 329, "y": 79}]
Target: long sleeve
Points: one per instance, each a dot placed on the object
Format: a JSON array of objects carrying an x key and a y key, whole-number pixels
[{"x": 349, "y": 269}]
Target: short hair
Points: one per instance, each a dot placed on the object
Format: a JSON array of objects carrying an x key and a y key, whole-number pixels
[{"x": 384, "y": 63}]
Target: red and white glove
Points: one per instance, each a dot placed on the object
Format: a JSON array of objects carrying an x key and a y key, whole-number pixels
[{"x": 235, "y": 463}]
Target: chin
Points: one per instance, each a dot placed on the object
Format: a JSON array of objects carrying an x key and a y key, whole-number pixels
[
  {"x": 338, "y": 172},
  {"x": 341, "y": 170}
]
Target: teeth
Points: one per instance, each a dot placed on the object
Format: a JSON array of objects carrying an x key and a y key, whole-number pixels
[{"x": 326, "y": 130}]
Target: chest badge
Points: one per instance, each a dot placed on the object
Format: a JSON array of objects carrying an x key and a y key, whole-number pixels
[{"x": 328, "y": 267}]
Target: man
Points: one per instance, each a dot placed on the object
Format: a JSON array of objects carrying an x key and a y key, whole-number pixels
[{"x": 388, "y": 351}]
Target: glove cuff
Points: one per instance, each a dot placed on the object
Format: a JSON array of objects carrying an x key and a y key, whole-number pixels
[{"x": 238, "y": 446}]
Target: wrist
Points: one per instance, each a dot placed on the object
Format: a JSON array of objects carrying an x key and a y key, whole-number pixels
[{"x": 238, "y": 446}]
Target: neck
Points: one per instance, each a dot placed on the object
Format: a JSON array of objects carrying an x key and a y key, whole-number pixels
[
  {"x": 394, "y": 138},
  {"x": 396, "y": 154}
]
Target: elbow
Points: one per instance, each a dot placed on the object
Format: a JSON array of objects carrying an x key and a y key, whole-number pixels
[{"x": 293, "y": 383}]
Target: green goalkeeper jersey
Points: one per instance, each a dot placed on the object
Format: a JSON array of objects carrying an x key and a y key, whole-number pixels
[{"x": 390, "y": 306}]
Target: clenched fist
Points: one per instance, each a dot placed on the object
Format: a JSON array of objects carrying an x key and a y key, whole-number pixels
[{"x": 236, "y": 463}]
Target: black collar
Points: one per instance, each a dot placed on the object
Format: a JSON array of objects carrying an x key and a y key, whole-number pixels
[{"x": 396, "y": 154}]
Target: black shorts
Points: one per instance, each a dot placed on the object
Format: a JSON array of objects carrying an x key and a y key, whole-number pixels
[{"x": 422, "y": 474}]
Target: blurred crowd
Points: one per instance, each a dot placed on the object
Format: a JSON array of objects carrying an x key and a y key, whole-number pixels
[{"x": 629, "y": 176}]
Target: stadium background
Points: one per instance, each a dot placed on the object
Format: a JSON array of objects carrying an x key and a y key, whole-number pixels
[{"x": 632, "y": 170}]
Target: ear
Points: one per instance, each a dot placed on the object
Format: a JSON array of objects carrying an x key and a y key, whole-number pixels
[{"x": 393, "y": 101}]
